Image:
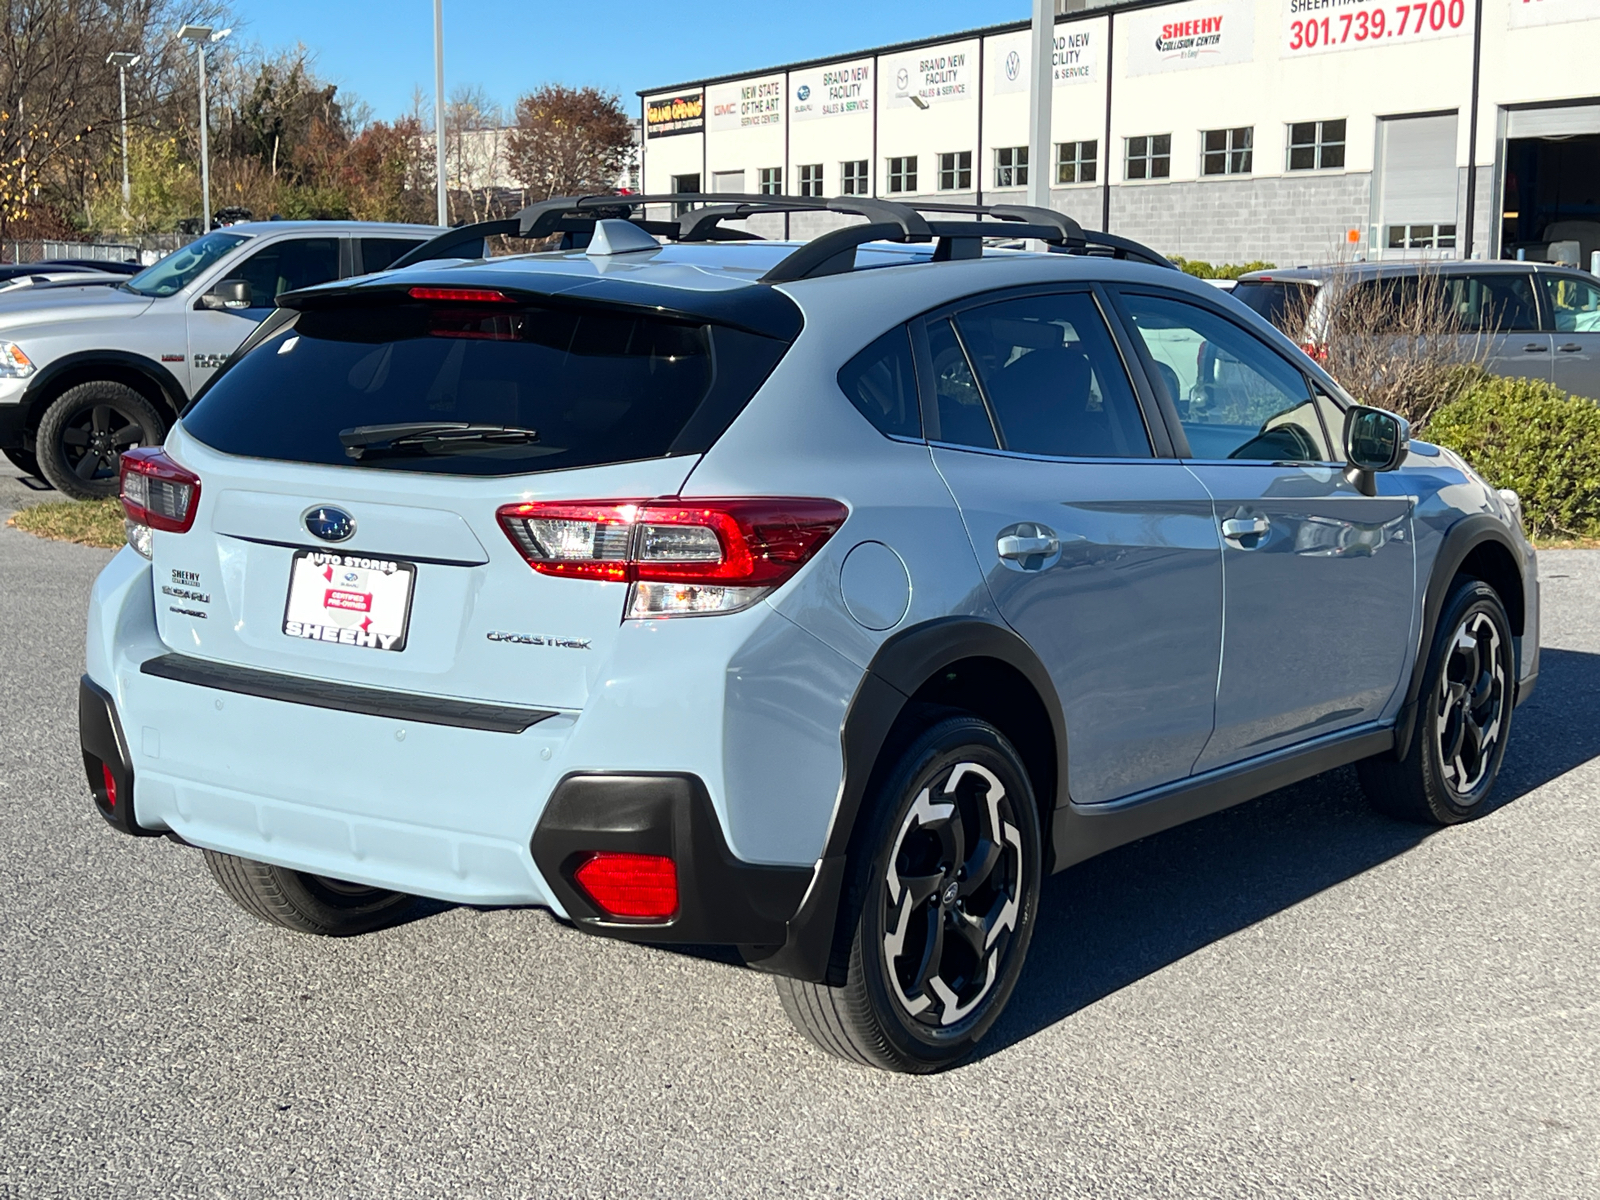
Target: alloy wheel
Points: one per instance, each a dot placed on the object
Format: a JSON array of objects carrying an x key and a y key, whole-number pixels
[
  {"x": 1469, "y": 706},
  {"x": 94, "y": 438},
  {"x": 954, "y": 884}
]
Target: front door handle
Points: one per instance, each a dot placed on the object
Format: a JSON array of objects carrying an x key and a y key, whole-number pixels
[
  {"x": 1019, "y": 546},
  {"x": 1238, "y": 528},
  {"x": 1570, "y": 348},
  {"x": 1535, "y": 348}
]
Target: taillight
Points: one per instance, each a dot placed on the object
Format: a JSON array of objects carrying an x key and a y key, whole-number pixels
[
  {"x": 682, "y": 557},
  {"x": 157, "y": 494},
  {"x": 1317, "y": 353},
  {"x": 633, "y": 887}
]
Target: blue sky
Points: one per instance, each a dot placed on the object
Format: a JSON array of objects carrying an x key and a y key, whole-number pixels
[{"x": 381, "y": 51}]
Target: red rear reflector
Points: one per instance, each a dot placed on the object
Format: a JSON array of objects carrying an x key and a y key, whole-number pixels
[
  {"x": 637, "y": 887},
  {"x": 111, "y": 785},
  {"x": 468, "y": 295},
  {"x": 157, "y": 492}
]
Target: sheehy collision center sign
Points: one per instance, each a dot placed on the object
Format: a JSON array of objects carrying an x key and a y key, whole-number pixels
[
  {"x": 935, "y": 75},
  {"x": 837, "y": 90},
  {"x": 668, "y": 115},
  {"x": 1181, "y": 36},
  {"x": 1318, "y": 26}
]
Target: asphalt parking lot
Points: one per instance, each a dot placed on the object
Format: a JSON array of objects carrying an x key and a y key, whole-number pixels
[{"x": 1294, "y": 998}]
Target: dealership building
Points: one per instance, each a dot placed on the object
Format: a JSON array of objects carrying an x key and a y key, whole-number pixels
[{"x": 1226, "y": 130}]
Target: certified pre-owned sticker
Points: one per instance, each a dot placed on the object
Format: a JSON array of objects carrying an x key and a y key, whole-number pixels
[{"x": 539, "y": 639}]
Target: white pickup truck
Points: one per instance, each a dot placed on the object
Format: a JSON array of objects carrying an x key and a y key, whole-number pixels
[{"x": 89, "y": 371}]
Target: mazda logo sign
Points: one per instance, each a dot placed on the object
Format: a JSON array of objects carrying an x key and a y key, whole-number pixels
[{"x": 329, "y": 523}]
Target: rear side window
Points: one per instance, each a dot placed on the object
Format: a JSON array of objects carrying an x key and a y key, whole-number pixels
[
  {"x": 881, "y": 381},
  {"x": 1498, "y": 302},
  {"x": 572, "y": 386},
  {"x": 1282, "y": 304},
  {"x": 378, "y": 253},
  {"x": 1054, "y": 379}
]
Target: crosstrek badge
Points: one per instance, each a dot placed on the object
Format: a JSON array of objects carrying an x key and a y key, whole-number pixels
[{"x": 349, "y": 600}]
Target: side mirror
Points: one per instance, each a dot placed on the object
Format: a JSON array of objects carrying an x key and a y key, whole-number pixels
[
  {"x": 1374, "y": 440},
  {"x": 229, "y": 294}
]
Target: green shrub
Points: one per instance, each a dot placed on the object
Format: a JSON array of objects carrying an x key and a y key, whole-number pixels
[
  {"x": 1204, "y": 270},
  {"x": 1530, "y": 436}
]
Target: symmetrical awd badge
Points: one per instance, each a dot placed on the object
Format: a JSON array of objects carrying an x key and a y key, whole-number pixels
[{"x": 329, "y": 523}]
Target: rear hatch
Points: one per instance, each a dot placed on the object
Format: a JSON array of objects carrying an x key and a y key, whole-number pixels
[{"x": 352, "y": 465}]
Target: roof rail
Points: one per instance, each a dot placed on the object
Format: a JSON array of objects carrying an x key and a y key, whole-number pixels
[{"x": 830, "y": 253}]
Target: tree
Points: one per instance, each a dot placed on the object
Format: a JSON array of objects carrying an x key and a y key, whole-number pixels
[{"x": 569, "y": 141}]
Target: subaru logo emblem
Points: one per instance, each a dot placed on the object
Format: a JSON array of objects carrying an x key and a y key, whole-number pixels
[
  {"x": 803, "y": 92},
  {"x": 329, "y": 523}
]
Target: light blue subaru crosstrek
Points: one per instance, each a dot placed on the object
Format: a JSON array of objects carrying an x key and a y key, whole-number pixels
[{"x": 812, "y": 599}]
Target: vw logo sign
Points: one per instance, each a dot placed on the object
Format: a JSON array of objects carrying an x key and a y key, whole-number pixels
[
  {"x": 803, "y": 92},
  {"x": 1013, "y": 65},
  {"x": 329, "y": 523}
]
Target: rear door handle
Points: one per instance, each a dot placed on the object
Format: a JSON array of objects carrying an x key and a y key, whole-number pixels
[
  {"x": 1535, "y": 348},
  {"x": 1021, "y": 546},
  {"x": 1238, "y": 528}
]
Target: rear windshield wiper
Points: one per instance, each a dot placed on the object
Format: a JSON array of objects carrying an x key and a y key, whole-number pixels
[{"x": 431, "y": 437}]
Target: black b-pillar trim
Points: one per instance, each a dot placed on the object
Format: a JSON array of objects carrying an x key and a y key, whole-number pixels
[{"x": 722, "y": 900}]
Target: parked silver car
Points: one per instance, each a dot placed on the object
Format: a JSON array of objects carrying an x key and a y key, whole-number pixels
[
  {"x": 90, "y": 370},
  {"x": 1541, "y": 322}
]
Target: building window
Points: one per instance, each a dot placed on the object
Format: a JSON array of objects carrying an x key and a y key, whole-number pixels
[
  {"x": 772, "y": 181},
  {"x": 811, "y": 179},
  {"x": 955, "y": 171},
  {"x": 1226, "y": 151},
  {"x": 903, "y": 174},
  {"x": 1316, "y": 145},
  {"x": 1422, "y": 237},
  {"x": 1011, "y": 166},
  {"x": 1075, "y": 161},
  {"x": 1148, "y": 157},
  {"x": 853, "y": 177}
]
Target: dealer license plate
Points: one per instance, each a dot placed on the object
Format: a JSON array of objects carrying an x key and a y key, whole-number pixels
[{"x": 349, "y": 599}]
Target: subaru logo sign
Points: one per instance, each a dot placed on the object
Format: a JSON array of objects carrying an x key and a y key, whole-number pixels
[
  {"x": 803, "y": 92},
  {"x": 329, "y": 523}
]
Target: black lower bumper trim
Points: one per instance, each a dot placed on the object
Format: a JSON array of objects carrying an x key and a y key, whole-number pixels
[
  {"x": 105, "y": 750},
  {"x": 722, "y": 900},
  {"x": 343, "y": 697}
]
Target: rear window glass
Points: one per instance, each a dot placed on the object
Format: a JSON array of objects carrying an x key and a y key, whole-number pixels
[
  {"x": 1280, "y": 303},
  {"x": 538, "y": 388}
]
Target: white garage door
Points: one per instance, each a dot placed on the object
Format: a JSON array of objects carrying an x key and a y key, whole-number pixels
[{"x": 1417, "y": 183}]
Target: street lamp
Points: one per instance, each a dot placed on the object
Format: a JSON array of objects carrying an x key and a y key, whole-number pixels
[
  {"x": 1039, "y": 98},
  {"x": 200, "y": 35},
  {"x": 438, "y": 110},
  {"x": 122, "y": 60}
]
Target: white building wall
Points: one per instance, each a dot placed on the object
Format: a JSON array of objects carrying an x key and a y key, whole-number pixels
[{"x": 1180, "y": 69}]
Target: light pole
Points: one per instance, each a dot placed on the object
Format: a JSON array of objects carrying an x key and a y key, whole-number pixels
[
  {"x": 438, "y": 110},
  {"x": 122, "y": 60},
  {"x": 200, "y": 35},
  {"x": 1044, "y": 45}
]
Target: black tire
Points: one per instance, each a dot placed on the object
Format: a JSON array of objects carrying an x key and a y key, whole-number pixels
[
  {"x": 84, "y": 432},
  {"x": 24, "y": 461},
  {"x": 306, "y": 903},
  {"x": 1458, "y": 739},
  {"x": 942, "y": 930}
]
